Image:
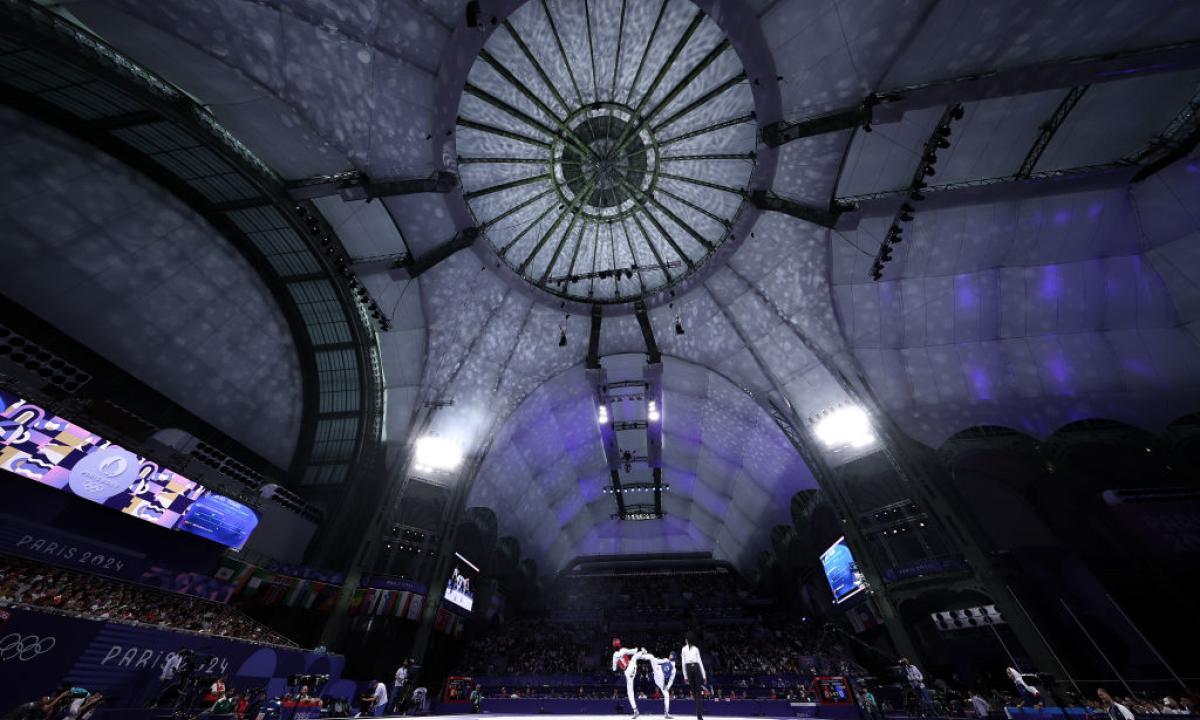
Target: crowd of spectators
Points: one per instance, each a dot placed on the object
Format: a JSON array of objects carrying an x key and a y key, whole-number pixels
[
  {"x": 24, "y": 583},
  {"x": 752, "y": 652}
]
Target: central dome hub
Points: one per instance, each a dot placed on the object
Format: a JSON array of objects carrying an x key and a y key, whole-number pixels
[
  {"x": 606, "y": 162},
  {"x": 606, "y": 148}
]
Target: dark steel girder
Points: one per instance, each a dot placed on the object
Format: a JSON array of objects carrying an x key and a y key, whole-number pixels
[
  {"x": 976, "y": 192},
  {"x": 593, "y": 355},
  {"x": 1049, "y": 128},
  {"x": 415, "y": 267},
  {"x": 576, "y": 208},
  {"x": 643, "y": 319},
  {"x": 1052, "y": 75},
  {"x": 358, "y": 186},
  {"x": 767, "y": 201},
  {"x": 654, "y": 248}
]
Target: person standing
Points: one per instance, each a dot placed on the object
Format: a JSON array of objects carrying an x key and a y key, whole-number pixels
[
  {"x": 379, "y": 698},
  {"x": 916, "y": 680},
  {"x": 477, "y": 699},
  {"x": 693, "y": 672},
  {"x": 398, "y": 686},
  {"x": 664, "y": 676},
  {"x": 626, "y": 660}
]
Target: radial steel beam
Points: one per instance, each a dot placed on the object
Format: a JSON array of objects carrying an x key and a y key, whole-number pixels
[
  {"x": 502, "y": 132},
  {"x": 709, "y": 128},
  {"x": 506, "y": 186},
  {"x": 1049, "y": 128},
  {"x": 662, "y": 9},
  {"x": 1063, "y": 73},
  {"x": 537, "y": 66},
  {"x": 562, "y": 51}
]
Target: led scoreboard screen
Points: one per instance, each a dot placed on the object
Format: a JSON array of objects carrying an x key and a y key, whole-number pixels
[{"x": 54, "y": 451}]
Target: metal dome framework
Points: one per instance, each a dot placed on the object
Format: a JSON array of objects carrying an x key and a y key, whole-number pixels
[{"x": 611, "y": 162}]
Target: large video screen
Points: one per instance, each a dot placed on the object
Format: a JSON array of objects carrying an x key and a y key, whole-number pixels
[
  {"x": 841, "y": 570},
  {"x": 458, "y": 587},
  {"x": 54, "y": 451}
]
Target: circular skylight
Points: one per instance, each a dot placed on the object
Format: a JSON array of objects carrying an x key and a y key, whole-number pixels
[{"x": 605, "y": 146}]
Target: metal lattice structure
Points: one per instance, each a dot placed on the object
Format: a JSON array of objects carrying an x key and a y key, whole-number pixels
[{"x": 611, "y": 162}]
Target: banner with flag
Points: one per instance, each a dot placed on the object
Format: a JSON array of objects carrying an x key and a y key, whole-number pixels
[{"x": 388, "y": 603}]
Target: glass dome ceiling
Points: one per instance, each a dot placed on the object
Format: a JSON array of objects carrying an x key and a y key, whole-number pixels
[{"x": 605, "y": 146}]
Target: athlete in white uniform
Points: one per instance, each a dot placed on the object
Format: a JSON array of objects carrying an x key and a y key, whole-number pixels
[
  {"x": 664, "y": 677},
  {"x": 626, "y": 659}
]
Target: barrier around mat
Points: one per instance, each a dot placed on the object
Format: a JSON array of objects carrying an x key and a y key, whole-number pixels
[
  {"x": 681, "y": 705},
  {"x": 41, "y": 651}
]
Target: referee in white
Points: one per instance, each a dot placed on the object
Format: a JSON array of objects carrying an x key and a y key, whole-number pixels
[{"x": 693, "y": 671}]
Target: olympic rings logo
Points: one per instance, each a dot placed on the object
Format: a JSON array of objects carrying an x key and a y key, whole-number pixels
[{"x": 15, "y": 646}]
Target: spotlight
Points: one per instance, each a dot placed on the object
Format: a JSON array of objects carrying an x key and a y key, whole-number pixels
[
  {"x": 906, "y": 208},
  {"x": 434, "y": 452},
  {"x": 943, "y": 131},
  {"x": 678, "y": 327},
  {"x": 895, "y": 238},
  {"x": 895, "y": 229},
  {"x": 473, "y": 11},
  {"x": 957, "y": 113},
  {"x": 867, "y": 128},
  {"x": 876, "y": 274},
  {"x": 602, "y": 418},
  {"x": 845, "y": 426},
  {"x": 886, "y": 253},
  {"x": 943, "y": 143},
  {"x": 652, "y": 412},
  {"x": 905, "y": 217},
  {"x": 929, "y": 170}
]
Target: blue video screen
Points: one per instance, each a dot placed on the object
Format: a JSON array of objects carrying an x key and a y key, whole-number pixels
[
  {"x": 45, "y": 448},
  {"x": 219, "y": 519},
  {"x": 841, "y": 571}
]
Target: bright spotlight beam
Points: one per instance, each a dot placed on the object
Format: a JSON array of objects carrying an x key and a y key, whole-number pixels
[
  {"x": 845, "y": 426},
  {"x": 438, "y": 453}
]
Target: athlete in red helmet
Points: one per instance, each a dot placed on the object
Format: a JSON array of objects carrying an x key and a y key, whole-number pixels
[{"x": 625, "y": 659}]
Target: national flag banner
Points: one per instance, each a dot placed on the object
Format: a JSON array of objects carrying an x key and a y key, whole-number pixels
[
  {"x": 400, "y": 609},
  {"x": 414, "y": 608},
  {"x": 297, "y": 593},
  {"x": 356, "y": 602},
  {"x": 327, "y": 599}
]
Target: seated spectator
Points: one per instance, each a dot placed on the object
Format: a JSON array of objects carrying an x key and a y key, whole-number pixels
[
  {"x": 30, "y": 584},
  {"x": 1114, "y": 709},
  {"x": 223, "y": 706}
]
